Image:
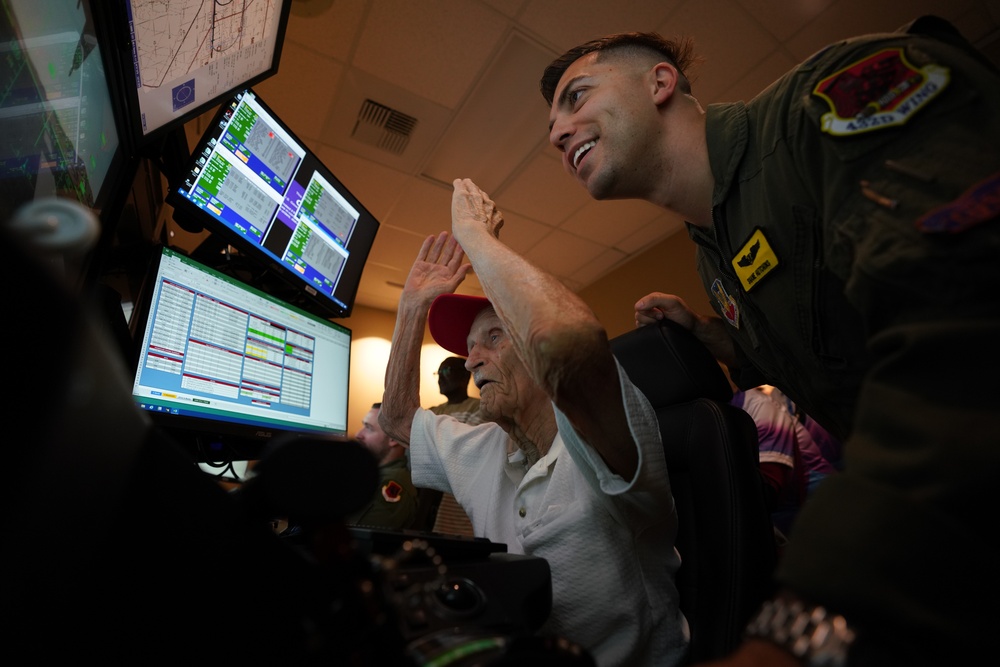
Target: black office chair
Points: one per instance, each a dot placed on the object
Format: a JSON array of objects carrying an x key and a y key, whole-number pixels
[{"x": 725, "y": 536}]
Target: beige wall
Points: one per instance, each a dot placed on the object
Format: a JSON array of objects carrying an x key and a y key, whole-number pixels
[
  {"x": 366, "y": 380},
  {"x": 371, "y": 334},
  {"x": 666, "y": 267}
]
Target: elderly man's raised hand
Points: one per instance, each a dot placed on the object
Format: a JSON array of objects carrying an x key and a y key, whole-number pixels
[
  {"x": 472, "y": 210},
  {"x": 438, "y": 269}
]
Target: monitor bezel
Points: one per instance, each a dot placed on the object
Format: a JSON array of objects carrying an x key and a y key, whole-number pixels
[
  {"x": 109, "y": 199},
  {"x": 122, "y": 39},
  {"x": 211, "y": 438},
  {"x": 190, "y": 216}
]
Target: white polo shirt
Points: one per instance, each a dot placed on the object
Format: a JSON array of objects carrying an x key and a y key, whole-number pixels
[{"x": 609, "y": 542}]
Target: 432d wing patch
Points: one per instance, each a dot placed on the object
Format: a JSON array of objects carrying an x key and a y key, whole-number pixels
[{"x": 879, "y": 91}]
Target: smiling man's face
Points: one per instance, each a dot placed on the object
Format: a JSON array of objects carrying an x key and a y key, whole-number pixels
[{"x": 602, "y": 120}]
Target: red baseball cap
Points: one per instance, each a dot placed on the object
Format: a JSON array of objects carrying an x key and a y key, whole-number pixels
[{"x": 450, "y": 320}]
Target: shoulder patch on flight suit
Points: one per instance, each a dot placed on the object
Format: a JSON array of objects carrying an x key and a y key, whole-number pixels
[
  {"x": 392, "y": 491},
  {"x": 754, "y": 260},
  {"x": 881, "y": 90},
  {"x": 727, "y": 304}
]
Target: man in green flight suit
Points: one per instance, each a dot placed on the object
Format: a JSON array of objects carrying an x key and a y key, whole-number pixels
[{"x": 394, "y": 505}]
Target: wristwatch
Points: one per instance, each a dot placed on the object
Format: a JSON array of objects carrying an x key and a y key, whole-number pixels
[{"x": 809, "y": 632}]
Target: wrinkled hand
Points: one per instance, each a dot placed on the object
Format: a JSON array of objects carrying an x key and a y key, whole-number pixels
[
  {"x": 658, "y": 306},
  {"x": 472, "y": 209},
  {"x": 438, "y": 269}
]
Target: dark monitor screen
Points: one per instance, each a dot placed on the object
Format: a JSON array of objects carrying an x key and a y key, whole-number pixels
[
  {"x": 252, "y": 182},
  {"x": 220, "y": 359},
  {"x": 181, "y": 58},
  {"x": 59, "y": 135}
]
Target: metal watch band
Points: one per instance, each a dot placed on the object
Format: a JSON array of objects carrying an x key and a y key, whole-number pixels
[{"x": 809, "y": 632}]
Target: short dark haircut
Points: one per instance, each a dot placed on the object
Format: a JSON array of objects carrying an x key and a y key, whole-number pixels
[
  {"x": 455, "y": 363},
  {"x": 679, "y": 53}
]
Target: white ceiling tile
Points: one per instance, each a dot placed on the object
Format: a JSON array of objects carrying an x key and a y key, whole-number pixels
[
  {"x": 355, "y": 90},
  {"x": 759, "y": 78},
  {"x": 374, "y": 290},
  {"x": 563, "y": 254},
  {"x": 991, "y": 12},
  {"x": 727, "y": 39},
  {"x": 423, "y": 207},
  {"x": 521, "y": 233},
  {"x": 329, "y": 27},
  {"x": 542, "y": 191},
  {"x": 388, "y": 267},
  {"x": 608, "y": 222},
  {"x": 566, "y": 23},
  {"x": 652, "y": 233},
  {"x": 500, "y": 125},
  {"x": 509, "y": 8},
  {"x": 597, "y": 267},
  {"x": 396, "y": 249},
  {"x": 979, "y": 25},
  {"x": 784, "y": 18},
  {"x": 846, "y": 18},
  {"x": 293, "y": 89},
  {"x": 453, "y": 39}
]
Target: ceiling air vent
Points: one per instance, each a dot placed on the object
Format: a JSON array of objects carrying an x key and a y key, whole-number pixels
[{"x": 384, "y": 128}]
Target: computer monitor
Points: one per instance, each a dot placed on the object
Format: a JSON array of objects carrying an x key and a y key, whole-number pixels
[
  {"x": 180, "y": 59},
  {"x": 225, "y": 367},
  {"x": 254, "y": 184},
  {"x": 60, "y": 121}
]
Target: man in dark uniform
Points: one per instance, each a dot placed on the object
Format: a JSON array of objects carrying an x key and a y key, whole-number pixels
[
  {"x": 846, "y": 224},
  {"x": 394, "y": 505},
  {"x": 453, "y": 381}
]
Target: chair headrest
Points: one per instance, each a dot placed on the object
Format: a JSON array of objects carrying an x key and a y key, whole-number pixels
[{"x": 669, "y": 365}]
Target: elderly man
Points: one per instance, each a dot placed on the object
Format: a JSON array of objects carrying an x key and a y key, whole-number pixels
[{"x": 571, "y": 467}]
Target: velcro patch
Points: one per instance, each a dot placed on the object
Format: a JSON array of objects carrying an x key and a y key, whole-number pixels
[
  {"x": 754, "y": 260},
  {"x": 978, "y": 204},
  {"x": 727, "y": 304},
  {"x": 879, "y": 91},
  {"x": 392, "y": 492}
]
